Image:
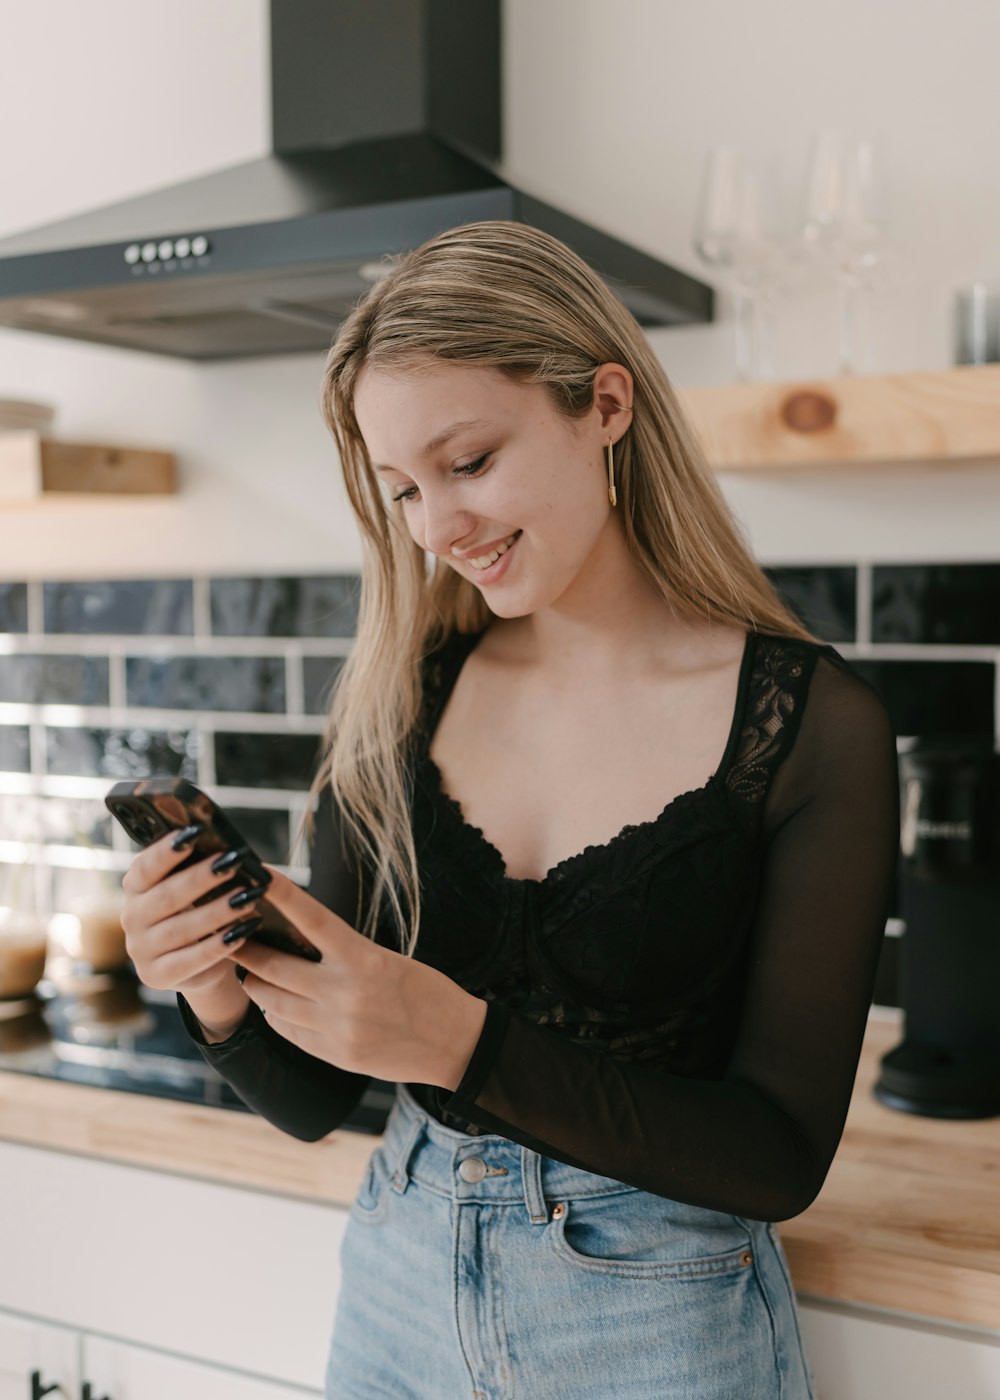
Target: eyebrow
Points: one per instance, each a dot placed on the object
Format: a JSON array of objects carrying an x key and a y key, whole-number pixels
[{"x": 446, "y": 435}]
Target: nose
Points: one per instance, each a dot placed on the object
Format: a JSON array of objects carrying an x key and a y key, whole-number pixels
[{"x": 444, "y": 525}]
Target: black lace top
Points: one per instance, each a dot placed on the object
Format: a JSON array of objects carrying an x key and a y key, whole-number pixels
[{"x": 682, "y": 1008}]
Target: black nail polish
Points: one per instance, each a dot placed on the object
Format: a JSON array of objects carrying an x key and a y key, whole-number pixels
[
  {"x": 255, "y": 869},
  {"x": 242, "y": 929},
  {"x": 246, "y": 896},
  {"x": 227, "y": 860},
  {"x": 186, "y": 835}
]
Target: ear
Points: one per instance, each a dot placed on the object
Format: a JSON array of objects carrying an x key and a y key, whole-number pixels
[{"x": 613, "y": 395}]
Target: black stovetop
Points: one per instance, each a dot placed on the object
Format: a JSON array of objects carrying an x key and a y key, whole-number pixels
[{"x": 109, "y": 1030}]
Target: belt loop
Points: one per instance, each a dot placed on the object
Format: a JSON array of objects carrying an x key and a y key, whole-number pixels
[
  {"x": 401, "y": 1173},
  {"x": 531, "y": 1175}
]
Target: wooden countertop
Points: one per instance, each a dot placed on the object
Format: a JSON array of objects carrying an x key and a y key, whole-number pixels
[{"x": 908, "y": 1218}]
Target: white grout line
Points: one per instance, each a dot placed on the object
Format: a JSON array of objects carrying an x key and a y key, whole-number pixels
[
  {"x": 919, "y": 651},
  {"x": 106, "y": 644},
  {"x": 863, "y": 612},
  {"x": 201, "y": 612},
  {"x": 294, "y": 688},
  {"x": 206, "y": 760},
  {"x": 136, "y": 716},
  {"x": 83, "y": 789},
  {"x": 116, "y": 682},
  {"x": 45, "y": 857},
  {"x": 36, "y": 618}
]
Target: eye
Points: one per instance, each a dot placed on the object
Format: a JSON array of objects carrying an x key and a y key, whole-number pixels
[{"x": 470, "y": 469}]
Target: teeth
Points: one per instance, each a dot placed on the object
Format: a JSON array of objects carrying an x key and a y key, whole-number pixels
[{"x": 485, "y": 560}]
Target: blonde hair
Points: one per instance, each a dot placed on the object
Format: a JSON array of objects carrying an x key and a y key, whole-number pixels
[{"x": 502, "y": 295}]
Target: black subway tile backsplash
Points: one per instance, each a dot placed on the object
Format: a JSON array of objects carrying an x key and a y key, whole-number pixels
[
  {"x": 147, "y": 607},
  {"x": 14, "y": 749},
  {"x": 822, "y": 597},
  {"x": 317, "y": 606},
  {"x": 53, "y": 680},
  {"x": 266, "y": 760},
  {"x": 122, "y": 753},
  {"x": 249, "y": 683},
  {"x": 13, "y": 607},
  {"x": 318, "y": 675},
  {"x": 936, "y": 603},
  {"x": 921, "y": 605}
]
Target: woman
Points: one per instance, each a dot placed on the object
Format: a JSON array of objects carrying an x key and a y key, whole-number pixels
[{"x": 618, "y": 835}]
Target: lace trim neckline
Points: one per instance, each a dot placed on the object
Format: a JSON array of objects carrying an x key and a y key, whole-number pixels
[{"x": 477, "y": 843}]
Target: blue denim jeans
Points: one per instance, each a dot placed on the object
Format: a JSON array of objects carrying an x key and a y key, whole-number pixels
[{"x": 475, "y": 1269}]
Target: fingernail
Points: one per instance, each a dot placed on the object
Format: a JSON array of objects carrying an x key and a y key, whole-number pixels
[
  {"x": 255, "y": 869},
  {"x": 241, "y": 930},
  {"x": 186, "y": 835},
  {"x": 226, "y": 861},
  {"x": 247, "y": 896}
]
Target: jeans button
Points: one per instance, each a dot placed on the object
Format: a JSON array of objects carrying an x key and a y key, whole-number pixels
[{"x": 472, "y": 1169}]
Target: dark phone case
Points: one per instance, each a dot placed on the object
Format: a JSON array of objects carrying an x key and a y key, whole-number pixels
[{"x": 150, "y": 808}]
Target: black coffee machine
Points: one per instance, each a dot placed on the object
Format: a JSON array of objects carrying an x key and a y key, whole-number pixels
[{"x": 948, "y": 883}]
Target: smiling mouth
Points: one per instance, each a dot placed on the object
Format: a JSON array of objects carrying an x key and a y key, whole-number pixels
[{"x": 487, "y": 560}]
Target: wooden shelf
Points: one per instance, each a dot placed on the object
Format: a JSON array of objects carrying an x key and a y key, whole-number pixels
[
  {"x": 852, "y": 421},
  {"x": 33, "y": 467}
]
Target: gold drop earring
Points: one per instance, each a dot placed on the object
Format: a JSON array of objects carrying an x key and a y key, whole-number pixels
[{"x": 612, "y": 494}]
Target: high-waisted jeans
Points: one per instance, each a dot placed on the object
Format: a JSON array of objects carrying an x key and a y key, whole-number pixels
[{"x": 475, "y": 1269}]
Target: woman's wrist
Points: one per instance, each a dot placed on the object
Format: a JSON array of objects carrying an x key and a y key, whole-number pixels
[{"x": 221, "y": 1012}]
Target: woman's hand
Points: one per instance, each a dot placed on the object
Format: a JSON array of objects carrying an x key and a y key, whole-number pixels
[
  {"x": 364, "y": 1008},
  {"x": 172, "y": 944}
]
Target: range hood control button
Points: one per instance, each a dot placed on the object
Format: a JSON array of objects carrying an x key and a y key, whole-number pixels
[
  {"x": 149, "y": 252},
  {"x": 199, "y": 245},
  {"x": 132, "y": 253}
]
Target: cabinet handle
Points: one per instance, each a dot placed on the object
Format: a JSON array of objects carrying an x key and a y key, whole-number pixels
[
  {"x": 87, "y": 1393},
  {"x": 37, "y": 1389}
]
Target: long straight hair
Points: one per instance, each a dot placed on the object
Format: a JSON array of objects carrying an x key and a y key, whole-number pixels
[{"x": 502, "y": 295}]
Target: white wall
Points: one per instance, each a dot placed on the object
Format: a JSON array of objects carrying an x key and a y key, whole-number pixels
[{"x": 609, "y": 113}]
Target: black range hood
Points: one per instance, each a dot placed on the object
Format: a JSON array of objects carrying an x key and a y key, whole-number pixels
[{"x": 386, "y": 129}]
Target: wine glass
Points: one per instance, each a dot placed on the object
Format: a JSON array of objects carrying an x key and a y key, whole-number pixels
[
  {"x": 736, "y": 231},
  {"x": 843, "y": 227}
]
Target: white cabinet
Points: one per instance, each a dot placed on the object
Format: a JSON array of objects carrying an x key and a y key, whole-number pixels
[
  {"x": 38, "y": 1359},
  {"x": 188, "y": 1271},
  {"x": 862, "y": 1354},
  {"x": 35, "y": 1357},
  {"x": 121, "y": 1372}
]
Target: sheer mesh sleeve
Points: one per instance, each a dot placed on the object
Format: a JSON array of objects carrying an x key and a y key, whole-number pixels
[
  {"x": 759, "y": 1141},
  {"x": 299, "y": 1093}
]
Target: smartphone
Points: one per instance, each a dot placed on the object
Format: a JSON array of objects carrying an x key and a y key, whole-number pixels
[{"x": 151, "y": 808}]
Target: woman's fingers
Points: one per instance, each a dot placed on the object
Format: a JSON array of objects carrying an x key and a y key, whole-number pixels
[
  {"x": 190, "y": 926},
  {"x": 175, "y": 891},
  {"x": 151, "y": 864},
  {"x": 188, "y": 961}
]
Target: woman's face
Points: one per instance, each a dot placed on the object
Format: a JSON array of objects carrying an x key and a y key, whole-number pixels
[{"x": 517, "y": 468}]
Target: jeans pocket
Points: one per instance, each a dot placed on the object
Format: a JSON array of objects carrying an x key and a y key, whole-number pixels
[
  {"x": 638, "y": 1235},
  {"x": 372, "y": 1196}
]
